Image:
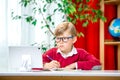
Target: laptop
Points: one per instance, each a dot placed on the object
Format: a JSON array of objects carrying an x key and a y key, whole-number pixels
[{"x": 24, "y": 58}]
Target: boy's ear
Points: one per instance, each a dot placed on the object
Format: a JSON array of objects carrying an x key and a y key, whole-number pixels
[{"x": 74, "y": 39}]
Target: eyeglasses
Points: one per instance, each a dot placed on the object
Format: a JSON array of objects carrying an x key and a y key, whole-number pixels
[{"x": 64, "y": 39}]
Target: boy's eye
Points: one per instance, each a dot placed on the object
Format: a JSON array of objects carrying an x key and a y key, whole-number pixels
[
  {"x": 64, "y": 38},
  {"x": 58, "y": 38}
]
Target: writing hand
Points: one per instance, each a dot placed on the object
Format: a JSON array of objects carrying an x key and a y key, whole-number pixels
[{"x": 52, "y": 64}]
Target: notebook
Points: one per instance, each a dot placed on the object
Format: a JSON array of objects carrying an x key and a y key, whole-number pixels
[{"x": 24, "y": 58}]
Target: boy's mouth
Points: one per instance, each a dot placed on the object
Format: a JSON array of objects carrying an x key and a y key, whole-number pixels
[{"x": 61, "y": 46}]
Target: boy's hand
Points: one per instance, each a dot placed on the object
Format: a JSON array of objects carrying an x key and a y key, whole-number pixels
[{"x": 52, "y": 64}]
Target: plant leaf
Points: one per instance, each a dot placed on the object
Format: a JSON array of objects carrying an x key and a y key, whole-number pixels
[
  {"x": 34, "y": 22},
  {"x": 85, "y": 23},
  {"x": 29, "y": 19},
  {"x": 80, "y": 34},
  {"x": 103, "y": 18},
  {"x": 49, "y": 18}
]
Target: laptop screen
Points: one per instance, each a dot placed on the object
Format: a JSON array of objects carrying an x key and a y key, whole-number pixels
[{"x": 23, "y": 58}]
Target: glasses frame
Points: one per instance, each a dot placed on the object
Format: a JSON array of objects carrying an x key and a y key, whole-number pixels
[{"x": 64, "y": 39}]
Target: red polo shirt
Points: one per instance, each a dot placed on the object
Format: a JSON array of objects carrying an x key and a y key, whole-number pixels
[{"x": 84, "y": 60}]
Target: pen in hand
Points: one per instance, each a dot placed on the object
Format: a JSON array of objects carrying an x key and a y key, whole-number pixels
[
  {"x": 49, "y": 57},
  {"x": 56, "y": 63}
]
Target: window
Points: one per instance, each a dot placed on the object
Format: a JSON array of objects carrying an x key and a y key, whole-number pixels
[{"x": 22, "y": 33}]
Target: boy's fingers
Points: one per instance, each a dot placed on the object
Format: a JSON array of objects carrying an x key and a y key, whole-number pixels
[{"x": 56, "y": 63}]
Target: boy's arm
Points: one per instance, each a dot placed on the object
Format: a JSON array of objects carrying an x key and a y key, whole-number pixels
[
  {"x": 89, "y": 62},
  {"x": 71, "y": 66}
]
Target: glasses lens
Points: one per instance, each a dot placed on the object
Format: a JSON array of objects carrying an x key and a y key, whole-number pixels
[
  {"x": 64, "y": 39},
  {"x": 57, "y": 39}
]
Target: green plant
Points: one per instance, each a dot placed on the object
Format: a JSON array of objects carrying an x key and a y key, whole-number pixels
[{"x": 73, "y": 10}]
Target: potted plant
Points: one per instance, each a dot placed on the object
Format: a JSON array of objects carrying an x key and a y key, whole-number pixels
[{"x": 73, "y": 10}]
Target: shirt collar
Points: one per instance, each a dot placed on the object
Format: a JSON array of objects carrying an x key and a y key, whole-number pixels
[{"x": 73, "y": 51}]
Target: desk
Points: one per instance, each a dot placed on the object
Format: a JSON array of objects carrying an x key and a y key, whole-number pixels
[{"x": 61, "y": 75}]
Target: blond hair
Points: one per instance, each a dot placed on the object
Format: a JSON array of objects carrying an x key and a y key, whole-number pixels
[{"x": 64, "y": 26}]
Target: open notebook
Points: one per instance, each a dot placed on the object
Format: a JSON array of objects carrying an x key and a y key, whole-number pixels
[{"x": 24, "y": 58}]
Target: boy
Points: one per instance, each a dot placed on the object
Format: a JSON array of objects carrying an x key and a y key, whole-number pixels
[{"x": 65, "y": 55}]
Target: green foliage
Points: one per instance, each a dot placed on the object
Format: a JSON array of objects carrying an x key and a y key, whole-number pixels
[
  {"x": 77, "y": 10},
  {"x": 25, "y": 3}
]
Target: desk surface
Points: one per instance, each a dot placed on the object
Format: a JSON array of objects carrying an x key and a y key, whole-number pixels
[{"x": 63, "y": 73}]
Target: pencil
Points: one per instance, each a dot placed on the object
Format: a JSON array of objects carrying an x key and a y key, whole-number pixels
[{"x": 49, "y": 57}]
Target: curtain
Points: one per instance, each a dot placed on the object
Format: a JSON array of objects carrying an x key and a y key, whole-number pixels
[
  {"x": 110, "y": 50},
  {"x": 90, "y": 41},
  {"x": 3, "y": 37}
]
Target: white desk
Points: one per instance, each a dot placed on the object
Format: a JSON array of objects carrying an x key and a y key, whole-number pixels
[{"x": 61, "y": 75}]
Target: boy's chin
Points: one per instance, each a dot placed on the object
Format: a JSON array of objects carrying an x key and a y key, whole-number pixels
[{"x": 63, "y": 50}]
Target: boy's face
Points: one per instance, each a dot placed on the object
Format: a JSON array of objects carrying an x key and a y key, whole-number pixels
[{"x": 65, "y": 42}]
